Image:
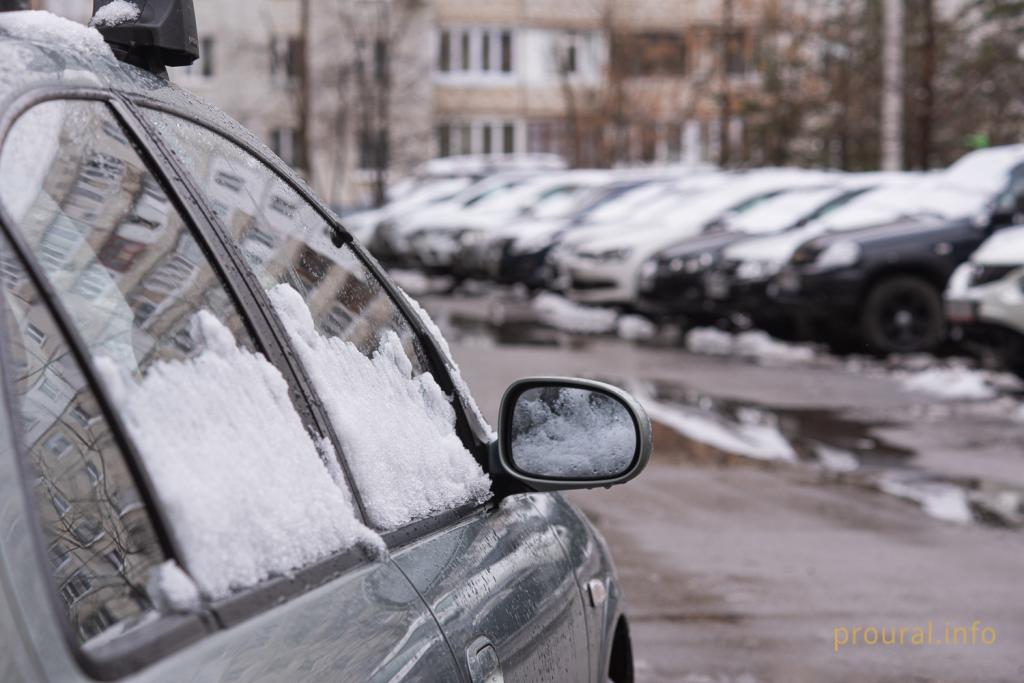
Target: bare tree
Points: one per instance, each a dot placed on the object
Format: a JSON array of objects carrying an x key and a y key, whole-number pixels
[{"x": 892, "y": 92}]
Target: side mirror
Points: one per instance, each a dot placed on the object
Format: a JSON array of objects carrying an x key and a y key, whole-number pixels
[{"x": 557, "y": 433}]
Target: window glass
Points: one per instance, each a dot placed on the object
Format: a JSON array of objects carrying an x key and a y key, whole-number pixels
[
  {"x": 248, "y": 491},
  {"x": 395, "y": 424},
  {"x": 88, "y": 501}
]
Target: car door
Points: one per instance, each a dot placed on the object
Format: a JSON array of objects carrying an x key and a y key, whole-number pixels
[
  {"x": 495, "y": 575},
  {"x": 107, "y": 288}
]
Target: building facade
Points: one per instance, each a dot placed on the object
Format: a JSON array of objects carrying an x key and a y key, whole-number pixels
[{"x": 357, "y": 93}]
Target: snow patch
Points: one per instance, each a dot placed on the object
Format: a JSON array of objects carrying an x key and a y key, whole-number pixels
[
  {"x": 561, "y": 313},
  {"x": 397, "y": 430},
  {"x": 43, "y": 27},
  {"x": 171, "y": 590},
  {"x": 746, "y": 437},
  {"x": 572, "y": 433},
  {"x": 114, "y": 13},
  {"x": 232, "y": 464},
  {"x": 940, "y": 500},
  {"x": 951, "y": 383},
  {"x": 635, "y": 328},
  {"x": 753, "y": 344},
  {"x": 460, "y": 384}
]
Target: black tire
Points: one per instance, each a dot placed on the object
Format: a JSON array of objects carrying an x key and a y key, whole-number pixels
[{"x": 903, "y": 314}]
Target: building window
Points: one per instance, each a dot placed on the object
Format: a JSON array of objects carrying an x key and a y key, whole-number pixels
[
  {"x": 35, "y": 334},
  {"x": 93, "y": 472},
  {"x": 444, "y": 46},
  {"x": 506, "y": 52},
  {"x": 285, "y": 59},
  {"x": 285, "y": 143},
  {"x": 736, "y": 52},
  {"x": 648, "y": 54},
  {"x": 373, "y": 149},
  {"x": 380, "y": 61},
  {"x": 485, "y": 51},
  {"x": 486, "y": 139},
  {"x": 545, "y": 137},
  {"x": 60, "y": 503},
  {"x": 57, "y": 444},
  {"x": 444, "y": 141},
  {"x": 206, "y": 56},
  {"x": 570, "y": 59},
  {"x": 75, "y": 587},
  {"x": 465, "y": 61},
  {"x": 508, "y": 138}
]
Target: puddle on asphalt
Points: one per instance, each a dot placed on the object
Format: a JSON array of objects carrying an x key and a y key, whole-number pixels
[
  {"x": 711, "y": 429},
  {"x": 715, "y": 430}
]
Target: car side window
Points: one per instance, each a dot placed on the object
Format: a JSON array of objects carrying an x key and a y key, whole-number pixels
[
  {"x": 100, "y": 538},
  {"x": 247, "y": 491},
  {"x": 395, "y": 424}
]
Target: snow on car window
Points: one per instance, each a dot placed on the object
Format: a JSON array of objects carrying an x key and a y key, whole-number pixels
[
  {"x": 575, "y": 433},
  {"x": 397, "y": 427},
  {"x": 232, "y": 464}
]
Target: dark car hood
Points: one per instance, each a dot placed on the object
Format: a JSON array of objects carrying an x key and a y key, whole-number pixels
[{"x": 904, "y": 231}]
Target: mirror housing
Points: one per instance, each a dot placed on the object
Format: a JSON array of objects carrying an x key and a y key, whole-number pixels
[{"x": 632, "y": 415}]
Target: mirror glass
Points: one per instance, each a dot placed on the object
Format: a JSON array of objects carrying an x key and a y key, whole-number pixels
[{"x": 571, "y": 433}]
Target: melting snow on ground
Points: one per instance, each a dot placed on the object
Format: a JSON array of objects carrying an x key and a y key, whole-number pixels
[
  {"x": 115, "y": 12},
  {"x": 558, "y": 312},
  {"x": 747, "y": 437},
  {"x": 232, "y": 464},
  {"x": 951, "y": 383},
  {"x": 397, "y": 429},
  {"x": 753, "y": 344},
  {"x": 572, "y": 433},
  {"x": 941, "y": 500}
]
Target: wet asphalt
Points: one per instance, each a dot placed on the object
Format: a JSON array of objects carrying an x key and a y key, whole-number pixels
[{"x": 834, "y": 498}]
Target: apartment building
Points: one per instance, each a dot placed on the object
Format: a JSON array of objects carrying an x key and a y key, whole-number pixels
[
  {"x": 601, "y": 82},
  {"x": 357, "y": 93}
]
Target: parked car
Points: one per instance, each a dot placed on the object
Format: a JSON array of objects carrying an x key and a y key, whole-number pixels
[
  {"x": 881, "y": 288},
  {"x": 436, "y": 240},
  {"x": 672, "y": 281},
  {"x": 395, "y": 235},
  {"x": 603, "y": 267},
  {"x": 984, "y": 301},
  {"x": 231, "y": 448}
]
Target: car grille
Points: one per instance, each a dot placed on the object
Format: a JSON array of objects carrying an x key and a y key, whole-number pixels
[{"x": 983, "y": 275}]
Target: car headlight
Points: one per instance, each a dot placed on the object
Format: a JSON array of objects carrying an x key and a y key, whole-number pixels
[
  {"x": 757, "y": 270},
  {"x": 609, "y": 255},
  {"x": 838, "y": 255}
]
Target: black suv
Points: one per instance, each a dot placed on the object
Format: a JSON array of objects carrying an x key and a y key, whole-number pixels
[{"x": 880, "y": 288}]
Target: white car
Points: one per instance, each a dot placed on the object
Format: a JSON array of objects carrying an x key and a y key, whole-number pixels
[
  {"x": 434, "y": 238},
  {"x": 985, "y": 298},
  {"x": 602, "y": 266}
]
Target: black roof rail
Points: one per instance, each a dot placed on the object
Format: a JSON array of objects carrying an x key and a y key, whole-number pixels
[{"x": 163, "y": 34}]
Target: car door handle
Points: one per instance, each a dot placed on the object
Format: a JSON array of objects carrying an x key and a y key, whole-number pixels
[{"x": 482, "y": 659}]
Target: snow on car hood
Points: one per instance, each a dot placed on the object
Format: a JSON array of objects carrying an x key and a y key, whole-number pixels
[
  {"x": 1004, "y": 248},
  {"x": 984, "y": 170}
]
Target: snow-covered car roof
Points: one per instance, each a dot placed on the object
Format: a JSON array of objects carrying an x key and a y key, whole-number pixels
[{"x": 41, "y": 50}]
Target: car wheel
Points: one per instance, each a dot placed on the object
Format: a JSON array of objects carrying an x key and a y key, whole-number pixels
[{"x": 903, "y": 314}]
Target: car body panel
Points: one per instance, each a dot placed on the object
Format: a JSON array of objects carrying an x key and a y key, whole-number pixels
[{"x": 503, "y": 576}]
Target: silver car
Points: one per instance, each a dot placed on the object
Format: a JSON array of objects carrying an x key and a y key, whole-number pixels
[{"x": 231, "y": 449}]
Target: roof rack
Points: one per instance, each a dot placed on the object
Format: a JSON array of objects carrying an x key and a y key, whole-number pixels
[{"x": 163, "y": 34}]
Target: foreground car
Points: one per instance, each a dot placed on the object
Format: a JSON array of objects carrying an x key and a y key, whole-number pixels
[{"x": 232, "y": 449}]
